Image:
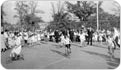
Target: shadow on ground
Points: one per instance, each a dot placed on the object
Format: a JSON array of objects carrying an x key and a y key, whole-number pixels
[
  {"x": 61, "y": 53},
  {"x": 112, "y": 63},
  {"x": 58, "y": 46},
  {"x": 43, "y": 42},
  {"x": 103, "y": 45}
]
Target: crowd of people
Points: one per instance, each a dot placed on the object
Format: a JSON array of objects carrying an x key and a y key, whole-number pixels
[{"x": 15, "y": 40}]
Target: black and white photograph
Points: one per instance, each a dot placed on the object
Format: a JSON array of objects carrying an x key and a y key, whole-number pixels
[{"x": 60, "y": 34}]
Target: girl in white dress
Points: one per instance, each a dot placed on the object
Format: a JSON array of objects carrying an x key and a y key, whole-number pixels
[
  {"x": 11, "y": 41},
  {"x": 35, "y": 38},
  {"x": 3, "y": 46},
  {"x": 6, "y": 39},
  {"x": 17, "y": 48},
  {"x": 38, "y": 35},
  {"x": 32, "y": 39},
  {"x": 101, "y": 37},
  {"x": 111, "y": 46},
  {"x": 95, "y": 38},
  {"x": 82, "y": 38},
  {"x": 62, "y": 40}
]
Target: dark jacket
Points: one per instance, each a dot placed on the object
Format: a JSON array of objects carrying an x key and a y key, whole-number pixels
[{"x": 90, "y": 33}]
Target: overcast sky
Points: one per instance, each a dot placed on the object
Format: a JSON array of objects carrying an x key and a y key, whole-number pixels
[{"x": 47, "y": 8}]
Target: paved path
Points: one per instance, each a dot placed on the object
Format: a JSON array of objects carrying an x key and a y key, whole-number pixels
[{"x": 48, "y": 55}]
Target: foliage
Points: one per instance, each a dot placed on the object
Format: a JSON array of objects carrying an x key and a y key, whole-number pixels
[
  {"x": 2, "y": 16},
  {"x": 60, "y": 18},
  {"x": 82, "y": 9},
  {"x": 26, "y": 12}
]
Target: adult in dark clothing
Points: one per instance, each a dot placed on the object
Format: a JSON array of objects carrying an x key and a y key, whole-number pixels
[
  {"x": 71, "y": 33},
  {"x": 77, "y": 38},
  {"x": 116, "y": 42},
  {"x": 90, "y": 35},
  {"x": 56, "y": 33},
  {"x": 64, "y": 32}
]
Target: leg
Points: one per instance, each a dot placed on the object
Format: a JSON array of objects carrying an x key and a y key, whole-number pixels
[
  {"x": 20, "y": 56},
  {"x": 70, "y": 48},
  {"x": 16, "y": 56},
  {"x": 112, "y": 52},
  {"x": 81, "y": 43},
  {"x": 91, "y": 40},
  {"x": 2, "y": 50},
  {"x": 116, "y": 41},
  {"x": 12, "y": 56},
  {"x": 56, "y": 39},
  {"x": 66, "y": 50},
  {"x": 87, "y": 40},
  {"x": 108, "y": 49},
  {"x": 72, "y": 38}
]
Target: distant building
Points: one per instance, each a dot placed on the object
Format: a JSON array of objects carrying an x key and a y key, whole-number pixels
[
  {"x": 43, "y": 25},
  {"x": 73, "y": 17}
]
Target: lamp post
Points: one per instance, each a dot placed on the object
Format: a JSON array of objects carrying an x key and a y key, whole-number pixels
[{"x": 97, "y": 17}]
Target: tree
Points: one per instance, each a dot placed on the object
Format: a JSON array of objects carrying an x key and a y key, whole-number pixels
[
  {"x": 106, "y": 20},
  {"x": 82, "y": 9},
  {"x": 60, "y": 18},
  {"x": 26, "y": 12},
  {"x": 2, "y": 15},
  {"x": 116, "y": 9},
  {"x": 22, "y": 10}
]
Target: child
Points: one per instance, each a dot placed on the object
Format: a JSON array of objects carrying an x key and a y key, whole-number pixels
[
  {"x": 62, "y": 40},
  {"x": 111, "y": 46},
  {"x": 15, "y": 53},
  {"x": 26, "y": 37},
  {"x": 67, "y": 44},
  {"x": 82, "y": 38},
  {"x": 3, "y": 46}
]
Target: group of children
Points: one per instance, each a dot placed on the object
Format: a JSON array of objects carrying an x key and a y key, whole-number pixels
[
  {"x": 18, "y": 37},
  {"x": 12, "y": 41},
  {"x": 15, "y": 53}
]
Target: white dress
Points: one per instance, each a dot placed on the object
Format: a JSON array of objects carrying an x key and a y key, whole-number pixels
[
  {"x": 33, "y": 39},
  {"x": 29, "y": 40},
  {"x": 11, "y": 42},
  {"x": 42, "y": 36},
  {"x": 82, "y": 37},
  {"x": 18, "y": 47},
  {"x": 110, "y": 42},
  {"x": 3, "y": 46},
  {"x": 52, "y": 33},
  {"x": 95, "y": 37},
  {"x": 100, "y": 37},
  {"x": 26, "y": 36},
  {"x": 38, "y": 36},
  {"x": 119, "y": 41},
  {"x": 5, "y": 35},
  {"x": 66, "y": 41},
  {"x": 62, "y": 40}
]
